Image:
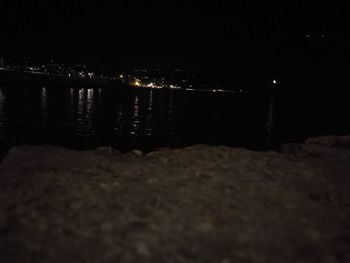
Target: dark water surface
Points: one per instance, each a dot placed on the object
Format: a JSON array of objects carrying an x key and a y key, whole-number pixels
[{"x": 146, "y": 119}]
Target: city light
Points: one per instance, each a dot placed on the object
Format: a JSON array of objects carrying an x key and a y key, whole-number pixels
[
  {"x": 140, "y": 78},
  {"x": 174, "y": 87},
  {"x": 137, "y": 83}
]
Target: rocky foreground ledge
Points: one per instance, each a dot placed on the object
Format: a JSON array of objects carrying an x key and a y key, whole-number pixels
[{"x": 197, "y": 204}]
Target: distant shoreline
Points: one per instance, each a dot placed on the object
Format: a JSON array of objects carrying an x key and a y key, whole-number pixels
[{"x": 18, "y": 77}]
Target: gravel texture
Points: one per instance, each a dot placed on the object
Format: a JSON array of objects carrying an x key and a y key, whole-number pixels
[{"x": 196, "y": 204}]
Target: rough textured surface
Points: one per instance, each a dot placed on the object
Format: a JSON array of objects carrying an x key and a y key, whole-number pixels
[
  {"x": 198, "y": 204},
  {"x": 330, "y": 141}
]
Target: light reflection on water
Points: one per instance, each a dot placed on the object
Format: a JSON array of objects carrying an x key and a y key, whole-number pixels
[
  {"x": 84, "y": 118},
  {"x": 135, "y": 117},
  {"x": 149, "y": 124},
  {"x": 44, "y": 104},
  {"x": 85, "y": 114},
  {"x": 270, "y": 125},
  {"x": 90, "y": 101},
  {"x": 2, "y": 103},
  {"x": 119, "y": 125},
  {"x": 87, "y": 118}
]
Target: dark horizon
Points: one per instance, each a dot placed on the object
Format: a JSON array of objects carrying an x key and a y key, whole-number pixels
[{"x": 181, "y": 33}]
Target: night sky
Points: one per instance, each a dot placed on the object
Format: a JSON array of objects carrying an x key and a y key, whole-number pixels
[{"x": 168, "y": 32}]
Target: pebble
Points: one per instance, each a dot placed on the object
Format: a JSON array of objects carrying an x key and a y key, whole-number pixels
[
  {"x": 137, "y": 152},
  {"x": 142, "y": 249}
]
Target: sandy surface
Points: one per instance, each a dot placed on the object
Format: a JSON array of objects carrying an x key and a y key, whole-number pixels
[{"x": 197, "y": 204}]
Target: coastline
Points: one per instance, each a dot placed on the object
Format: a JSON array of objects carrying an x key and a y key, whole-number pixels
[{"x": 16, "y": 79}]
